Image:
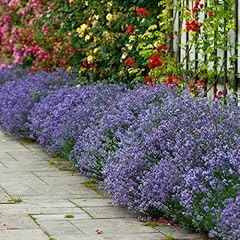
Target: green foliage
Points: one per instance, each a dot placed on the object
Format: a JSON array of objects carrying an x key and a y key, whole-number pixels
[
  {"x": 215, "y": 21},
  {"x": 114, "y": 40},
  {"x": 69, "y": 216}
]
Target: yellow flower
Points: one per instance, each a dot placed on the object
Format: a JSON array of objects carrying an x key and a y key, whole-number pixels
[
  {"x": 129, "y": 47},
  {"x": 90, "y": 59},
  {"x": 95, "y": 50},
  {"x": 87, "y": 38},
  {"x": 109, "y": 4},
  {"x": 71, "y": 2},
  {"x": 95, "y": 23},
  {"x": 81, "y": 30},
  {"x": 96, "y": 17},
  {"x": 132, "y": 38},
  {"x": 84, "y": 27},
  {"x": 124, "y": 55},
  {"x": 69, "y": 69},
  {"x": 109, "y": 17}
]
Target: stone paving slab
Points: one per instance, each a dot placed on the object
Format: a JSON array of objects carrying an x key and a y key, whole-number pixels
[
  {"x": 4, "y": 198},
  {"x": 114, "y": 225},
  {"x": 17, "y": 221},
  {"x": 40, "y": 202},
  {"x": 61, "y": 216},
  {"x": 35, "y": 209},
  {"x": 105, "y": 202},
  {"x": 27, "y": 234},
  {"x": 109, "y": 212},
  {"x": 113, "y": 236}
]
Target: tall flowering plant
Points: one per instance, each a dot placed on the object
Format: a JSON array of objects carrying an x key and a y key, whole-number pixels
[
  {"x": 28, "y": 40},
  {"x": 206, "y": 26}
]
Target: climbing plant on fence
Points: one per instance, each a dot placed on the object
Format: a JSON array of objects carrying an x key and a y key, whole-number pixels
[{"x": 199, "y": 44}]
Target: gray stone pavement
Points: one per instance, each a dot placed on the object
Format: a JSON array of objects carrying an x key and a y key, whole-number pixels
[{"x": 40, "y": 202}]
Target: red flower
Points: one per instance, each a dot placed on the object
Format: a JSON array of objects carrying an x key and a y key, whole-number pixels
[
  {"x": 194, "y": 9},
  {"x": 193, "y": 25},
  {"x": 62, "y": 63},
  {"x": 188, "y": 26},
  {"x": 154, "y": 57},
  {"x": 172, "y": 80},
  {"x": 150, "y": 81},
  {"x": 147, "y": 79},
  {"x": 210, "y": 13},
  {"x": 130, "y": 61},
  {"x": 161, "y": 48},
  {"x": 197, "y": 3},
  {"x": 201, "y": 5},
  {"x": 164, "y": 220},
  {"x": 130, "y": 29},
  {"x": 220, "y": 94},
  {"x": 201, "y": 83},
  {"x": 155, "y": 61},
  {"x": 176, "y": 225},
  {"x": 98, "y": 231},
  {"x": 142, "y": 11}
]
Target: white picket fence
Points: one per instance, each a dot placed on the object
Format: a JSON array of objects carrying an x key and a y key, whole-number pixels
[{"x": 233, "y": 37}]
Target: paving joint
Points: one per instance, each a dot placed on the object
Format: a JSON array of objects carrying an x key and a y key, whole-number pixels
[{"x": 81, "y": 208}]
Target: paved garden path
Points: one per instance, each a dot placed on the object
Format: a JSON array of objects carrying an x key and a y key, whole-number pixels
[{"x": 40, "y": 202}]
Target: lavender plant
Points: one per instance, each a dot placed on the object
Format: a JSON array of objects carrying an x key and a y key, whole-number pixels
[
  {"x": 11, "y": 73},
  {"x": 18, "y": 98},
  {"x": 99, "y": 141},
  {"x": 156, "y": 150},
  {"x": 178, "y": 160},
  {"x": 229, "y": 223},
  {"x": 76, "y": 110}
]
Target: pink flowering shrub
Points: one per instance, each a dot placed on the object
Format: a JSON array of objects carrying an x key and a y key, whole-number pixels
[{"x": 26, "y": 41}]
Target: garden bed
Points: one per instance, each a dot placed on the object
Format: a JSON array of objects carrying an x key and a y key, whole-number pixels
[{"x": 156, "y": 150}]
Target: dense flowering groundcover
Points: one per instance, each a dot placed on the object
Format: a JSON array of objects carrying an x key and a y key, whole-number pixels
[
  {"x": 19, "y": 95},
  {"x": 156, "y": 150}
]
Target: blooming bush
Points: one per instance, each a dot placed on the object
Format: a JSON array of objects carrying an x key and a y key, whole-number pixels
[
  {"x": 18, "y": 98},
  {"x": 182, "y": 160},
  {"x": 103, "y": 138},
  {"x": 28, "y": 40},
  {"x": 229, "y": 221},
  {"x": 62, "y": 116},
  {"x": 123, "y": 41},
  {"x": 82, "y": 35}
]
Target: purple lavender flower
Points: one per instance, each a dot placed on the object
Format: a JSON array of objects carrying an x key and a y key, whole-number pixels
[
  {"x": 62, "y": 117},
  {"x": 155, "y": 150},
  {"x": 11, "y": 73},
  {"x": 229, "y": 223},
  {"x": 99, "y": 141},
  {"x": 181, "y": 151},
  {"x": 19, "y": 96}
]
